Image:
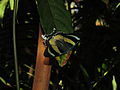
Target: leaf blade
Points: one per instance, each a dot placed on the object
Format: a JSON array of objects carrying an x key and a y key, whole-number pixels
[{"x": 53, "y": 14}]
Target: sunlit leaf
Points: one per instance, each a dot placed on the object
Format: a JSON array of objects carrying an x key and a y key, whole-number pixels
[
  {"x": 3, "y": 81},
  {"x": 3, "y": 4},
  {"x": 99, "y": 69},
  {"x": 53, "y": 14},
  {"x": 118, "y": 5},
  {"x": 8, "y": 84},
  {"x": 26, "y": 21},
  {"x": 105, "y": 73},
  {"x": 94, "y": 85},
  {"x": 114, "y": 48},
  {"x": 21, "y": 88},
  {"x": 28, "y": 67},
  {"x": 60, "y": 83},
  {"x": 11, "y": 4},
  {"x": 104, "y": 66},
  {"x": 114, "y": 84},
  {"x": 30, "y": 74},
  {"x": 51, "y": 83}
]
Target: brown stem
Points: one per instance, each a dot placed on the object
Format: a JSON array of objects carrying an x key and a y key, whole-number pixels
[{"x": 42, "y": 71}]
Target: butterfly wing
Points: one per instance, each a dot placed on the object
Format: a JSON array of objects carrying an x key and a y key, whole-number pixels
[{"x": 60, "y": 44}]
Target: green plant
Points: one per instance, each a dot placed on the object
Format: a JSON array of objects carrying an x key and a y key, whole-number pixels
[{"x": 94, "y": 65}]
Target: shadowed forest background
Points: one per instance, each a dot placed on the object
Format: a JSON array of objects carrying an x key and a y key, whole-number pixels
[{"x": 94, "y": 65}]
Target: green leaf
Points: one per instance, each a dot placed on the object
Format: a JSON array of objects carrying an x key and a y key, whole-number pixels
[
  {"x": 104, "y": 66},
  {"x": 3, "y": 81},
  {"x": 99, "y": 69},
  {"x": 114, "y": 84},
  {"x": 51, "y": 83},
  {"x": 94, "y": 85},
  {"x": 21, "y": 88},
  {"x": 118, "y": 5},
  {"x": 105, "y": 73},
  {"x": 3, "y": 4},
  {"x": 53, "y": 14},
  {"x": 85, "y": 73},
  {"x": 11, "y": 4}
]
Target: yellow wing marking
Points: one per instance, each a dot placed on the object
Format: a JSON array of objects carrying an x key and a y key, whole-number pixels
[
  {"x": 53, "y": 45},
  {"x": 69, "y": 41}
]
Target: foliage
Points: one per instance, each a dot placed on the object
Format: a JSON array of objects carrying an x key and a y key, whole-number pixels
[
  {"x": 27, "y": 36},
  {"x": 114, "y": 83},
  {"x": 3, "y": 5},
  {"x": 94, "y": 65},
  {"x": 57, "y": 15}
]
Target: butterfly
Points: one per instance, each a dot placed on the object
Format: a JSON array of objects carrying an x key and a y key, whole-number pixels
[{"x": 59, "y": 43}]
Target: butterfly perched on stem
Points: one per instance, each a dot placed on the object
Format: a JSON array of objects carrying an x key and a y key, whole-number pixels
[{"x": 60, "y": 45}]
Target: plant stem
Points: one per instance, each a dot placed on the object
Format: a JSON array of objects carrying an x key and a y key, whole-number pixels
[
  {"x": 14, "y": 44},
  {"x": 42, "y": 71}
]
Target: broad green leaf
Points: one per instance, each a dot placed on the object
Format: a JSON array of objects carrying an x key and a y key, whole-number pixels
[
  {"x": 3, "y": 4},
  {"x": 53, "y": 14},
  {"x": 114, "y": 84}
]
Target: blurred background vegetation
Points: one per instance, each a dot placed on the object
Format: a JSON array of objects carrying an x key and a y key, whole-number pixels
[{"x": 94, "y": 65}]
